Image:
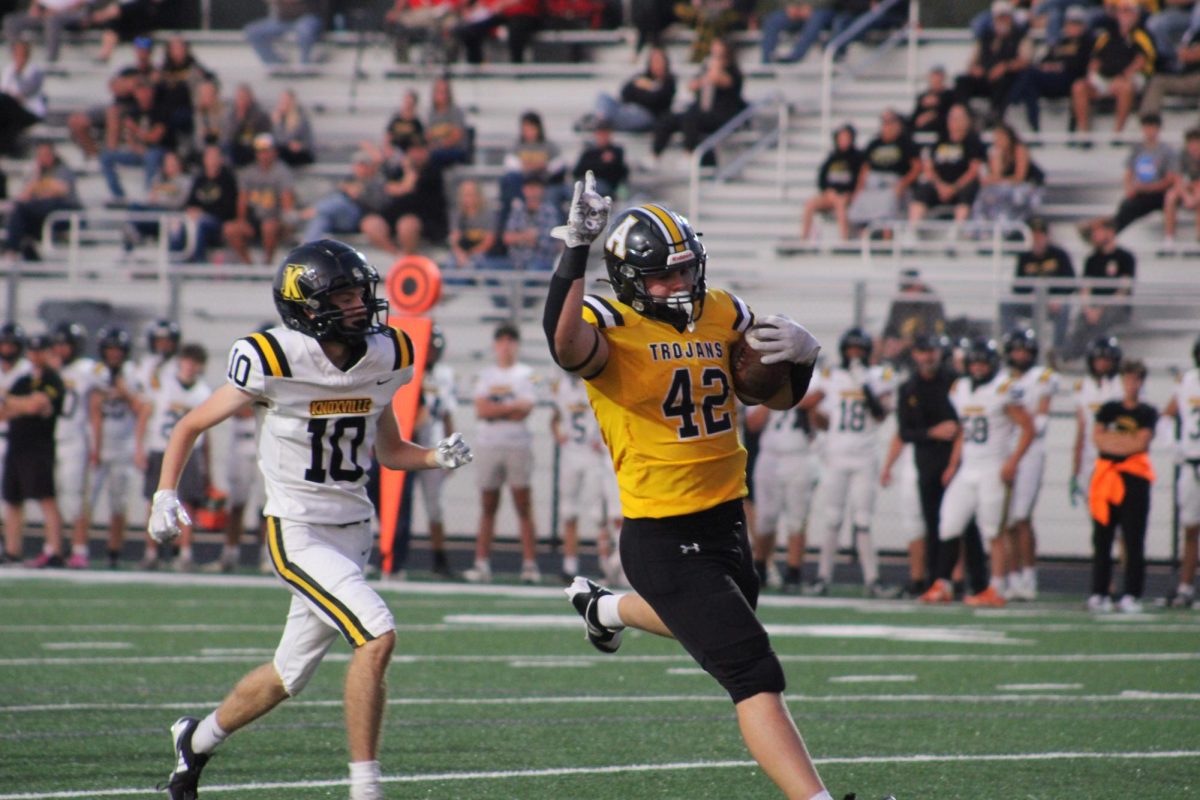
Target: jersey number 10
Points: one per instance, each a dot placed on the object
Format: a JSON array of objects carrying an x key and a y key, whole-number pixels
[{"x": 342, "y": 466}]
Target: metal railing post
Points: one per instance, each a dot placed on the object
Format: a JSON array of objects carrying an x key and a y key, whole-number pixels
[
  {"x": 851, "y": 33},
  {"x": 914, "y": 34},
  {"x": 781, "y": 168}
]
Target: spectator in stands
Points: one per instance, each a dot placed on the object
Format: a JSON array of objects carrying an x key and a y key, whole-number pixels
[
  {"x": 1150, "y": 170},
  {"x": 409, "y": 21},
  {"x": 53, "y": 17},
  {"x": 301, "y": 17},
  {"x": 292, "y": 131},
  {"x": 49, "y": 187},
  {"x": 208, "y": 117},
  {"x": 1174, "y": 20},
  {"x": 1117, "y": 267},
  {"x": 717, "y": 93},
  {"x": 265, "y": 199},
  {"x": 1121, "y": 62},
  {"x": 891, "y": 164},
  {"x": 790, "y": 18},
  {"x": 244, "y": 122},
  {"x": 179, "y": 76},
  {"x": 342, "y": 210},
  {"x": 1054, "y": 14},
  {"x": 416, "y": 205},
  {"x": 1064, "y": 63},
  {"x": 837, "y": 181},
  {"x": 519, "y": 17},
  {"x": 143, "y": 60},
  {"x": 1044, "y": 260},
  {"x": 1184, "y": 81},
  {"x": 916, "y": 310},
  {"x": 650, "y": 18},
  {"x": 1010, "y": 189},
  {"x": 472, "y": 230},
  {"x": 123, "y": 21},
  {"x": 168, "y": 191},
  {"x": 446, "y": 127},
  {"x": 88, "y": 128},
  {"x": 645, "y": 98},
  {"x": 982, "y": 22},
  {"x": 929, "y": 112},
  {"x": 1000, "y": 54},
  {"x": 405, "y": 125},
  {"x": 140, "y": 138},
  {"x": 811, "y": 18},
  {"x": 22, "y": 103},
  {"x": 711, "y": 19},
  {"x": 605, "y": 160},
  {"x": 531, "y": 157},
  {"x": 531, "y": 248},
  {"x": 1186, "y": 189},
  {"x": 952, "y": 169},
  {"x": 212, "y": 202}
]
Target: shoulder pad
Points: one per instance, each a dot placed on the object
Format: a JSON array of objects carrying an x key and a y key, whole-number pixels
[
  {"x": 743, "y": 317},
  {"x": 402, "y": 348},
  {"x": 1005, "y": 385},
  {"x": 1046, "y": 375},
  {"x": 270, "y": 354},
  {"x": 604, "y": 313}
]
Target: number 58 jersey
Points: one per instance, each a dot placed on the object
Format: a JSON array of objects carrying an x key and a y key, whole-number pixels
[
  {"x": 316, "y": 422},
  {"x": 988, "y": 432}
]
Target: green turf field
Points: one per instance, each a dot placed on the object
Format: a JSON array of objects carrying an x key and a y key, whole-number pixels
[{"x": 496, "y": 695}]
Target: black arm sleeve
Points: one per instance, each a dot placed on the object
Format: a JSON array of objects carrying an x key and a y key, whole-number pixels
[
  {"x": 571, "y": 267},
  {"x": 876, "y": 408}
]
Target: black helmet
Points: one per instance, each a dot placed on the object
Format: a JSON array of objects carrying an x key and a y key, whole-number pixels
[
  {"x": 981, "y": 350},
  {"x": 649, "y": 240},
  {"x": 855, "y": 337},
  {"x": 13, "y": 334},
  {"x": 1021, "y": 339},
  {"x": 71, "y": 334},
  {"x": 38, "y": 341},
  {"x": 163, "y": 329},
  {"x": 314, "y": 271},
  {"x": 113, "y": 336},
  {"x": 1104, "y": 347}
]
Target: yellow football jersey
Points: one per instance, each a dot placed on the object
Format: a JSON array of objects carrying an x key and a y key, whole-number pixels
[{"x": 665, "y": 406}]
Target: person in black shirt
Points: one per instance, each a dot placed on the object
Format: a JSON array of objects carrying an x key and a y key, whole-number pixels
[
  {"x": 416, "y": 209},
  {"x": 211, "y": 202},
  {"x": 837, "y": 182},
  {"x": 1120, "y": 490},
  {"x": 1001, "y": 53},
  {"x": 1120, "y": 63},
  {"x": 32, "y": 407},
  {"x": 644, "y": 98},
  {"x": 1108, "y": 262},
  {"x": 1053, "y": 76},
  {"x": 1043, "y": 260},
  {"x": 717, "y": 90},
  {"x": 891, "y": 163},
  {"x": 606, "y": 161},
  {"x": 929, "y": 112},
  {"x": 139, "y": 139},
  {"x": 951, "y": 169}
]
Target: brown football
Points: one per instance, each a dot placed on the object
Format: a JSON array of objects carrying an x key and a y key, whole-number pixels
[{"x": 754, "y": 381}]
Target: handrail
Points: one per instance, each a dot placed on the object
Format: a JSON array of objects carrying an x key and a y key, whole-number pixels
[
  {"x": 858, "y": 26},
  {"x": 720, "y": 135}
]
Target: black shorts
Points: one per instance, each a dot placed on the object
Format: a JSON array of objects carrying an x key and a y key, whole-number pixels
[
  {"x": 927, "y": 195},
  {"x": 28, "y": 475},
  {"x": 193, "y": 483},
  {"x": 697, "y": 572}
]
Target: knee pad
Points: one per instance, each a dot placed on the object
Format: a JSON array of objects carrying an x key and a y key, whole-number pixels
[{"x": 748, "y": 668}]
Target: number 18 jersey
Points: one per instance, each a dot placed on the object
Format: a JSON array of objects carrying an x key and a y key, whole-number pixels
[{"x": 316, "y": 422}]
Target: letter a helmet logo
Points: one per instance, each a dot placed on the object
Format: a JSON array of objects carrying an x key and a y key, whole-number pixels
[{"x": 291, "y": 282}]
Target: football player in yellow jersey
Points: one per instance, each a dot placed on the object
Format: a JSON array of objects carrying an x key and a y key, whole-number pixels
[{"x": 657, "y": 366}]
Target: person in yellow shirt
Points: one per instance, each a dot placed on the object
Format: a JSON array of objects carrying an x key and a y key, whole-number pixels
[{"x": 656, "y": 362}]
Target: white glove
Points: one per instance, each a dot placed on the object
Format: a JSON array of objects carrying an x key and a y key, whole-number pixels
[
  {"x": 783, "y": 340},
  {"x": 453, "y": 452},
  {"x": 167, "y": 516},
  {"x": 588, "y": 217}
]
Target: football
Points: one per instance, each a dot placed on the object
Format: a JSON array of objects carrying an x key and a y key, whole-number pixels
[{"x": 754, "y": 381}]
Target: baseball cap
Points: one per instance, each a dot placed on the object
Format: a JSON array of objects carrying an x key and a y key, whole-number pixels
[
  {"x": 143, "y": 43},
  {"x": 1002, "y": 7}
]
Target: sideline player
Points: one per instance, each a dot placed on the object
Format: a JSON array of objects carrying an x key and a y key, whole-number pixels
[
  {"x": 783, "y": 481},
  {"x": 73, "y": 441},
  {"x": 321, "y": 388},
  {"x": 114, "y": 411},
  {"x": 435, "y": 421},
  {"x": 1038, "y": 386},
  {"x": 982, "y": 467},
  {"x": 1100, "y": 385},
  {"x": 1184, "y": 405},
  {"x": 13, "y": 365},
  {"x": 656, "y": 361}
]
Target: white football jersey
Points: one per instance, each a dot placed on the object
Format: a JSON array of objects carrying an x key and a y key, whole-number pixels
[
  {"x": 79, "y": 378},
  {"x": 1090, "y": 394},
  {"x": 576, "y": 418},
  {"x": 439, "y": 396},
  {"x": 503, "y": 385},
  {"x": 117, "y": 418},
  {"x": 983, "y": 413},
  {"x": 785, "y": 432},
  {"x": 852, "y": 430},
  {"x": 316, "y": 422},
  {"x": 172, "y": 401},
  {"x": 1036, "y": 384},
  {"x": 1187, "y": 400}
]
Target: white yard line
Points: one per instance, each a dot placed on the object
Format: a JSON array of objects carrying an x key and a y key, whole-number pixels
[
  {"x": 872, "y": 678},
  {"x": 1038, "y": 687},
  {"x": 442, "y": 777},
  {"x": 87, "y": 645}
]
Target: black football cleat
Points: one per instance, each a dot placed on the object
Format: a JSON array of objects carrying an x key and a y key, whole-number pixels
[
  {"x": 184, "y": 782},
  {"x": 584, "y": 594}
]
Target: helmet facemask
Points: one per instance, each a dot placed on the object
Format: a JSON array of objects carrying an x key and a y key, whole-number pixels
[{"x": 642, "y": 257}]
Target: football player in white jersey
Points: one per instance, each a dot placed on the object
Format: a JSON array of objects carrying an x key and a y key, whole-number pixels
[
  {"x": 1100, "y": 385},
  {"x": 1185, "y": 406},
  {"x": 435, "y": 421},
  {"x": 13, "y": 365},
  {"x": 162, "y": 344},
  {"x": 73, "y": 443},
  {"x": 854, "y": 398},
  {"x": 321, "y": 386},
  {"x": 181, "y": 388},
  {"x": 982, "y": 467},
  {"x": 1038, "y": 386},
  {"x": 113, "y": 415},
  {"x": 783, "y": 485}
]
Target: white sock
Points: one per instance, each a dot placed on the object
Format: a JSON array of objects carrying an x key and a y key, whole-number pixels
[
  {"x": 208, "y": 734},
  {"x": 49, "y": 550},
  {"x": 364, "y": 780},
  {"x": 608, "y": 611},
  {"x": 79, "y": 550},
  {"x": 998, "y": 583},
  {"x": 570, "y": 565},
  {"x": 822, "y": 795},
  {"x": 866, "y": 555},
  {"x": 230, "y": 553},
  {"x": 151, "y": 551},
  {"x": 483, "y": 565},
  {"x": 529, "y": 565},
  {"x": 185, "y": 553},
  {"x": 1185, "y": 589}
]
